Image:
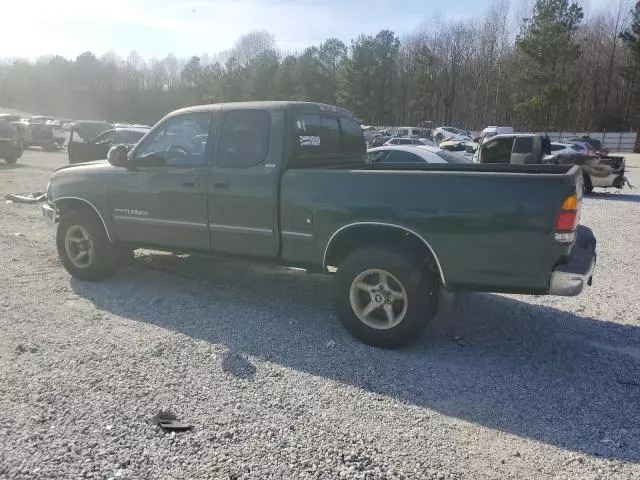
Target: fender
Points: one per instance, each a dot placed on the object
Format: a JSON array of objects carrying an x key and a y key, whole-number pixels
[
  {"x": 94, "y": 208},
  {"x": 386, "y": 225}
]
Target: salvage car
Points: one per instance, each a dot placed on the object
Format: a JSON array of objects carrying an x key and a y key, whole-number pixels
[
  {"x": 275, "y": 183},
  {"x": 10, "y": 143},
  {"x": 98, "y": 148},
  {"x": 408, "y": 141},
  {"x": 413, "y": 154},
  {"x": 81, "y": 133},
  {"x": 450, "y": 133},
  {"x": 36, "y": 133},
  {"x": 528, "y": 149}
]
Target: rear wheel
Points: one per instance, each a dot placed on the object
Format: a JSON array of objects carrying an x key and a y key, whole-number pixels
[
  {"x": 83, "y": 246},
  {"x": 587, "y": 186},
  {"x": 384, "y": 298},
  {"x": 11, "y": 160}
]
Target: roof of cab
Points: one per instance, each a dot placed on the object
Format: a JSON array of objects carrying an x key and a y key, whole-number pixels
[{"x": 264, "y": 105}]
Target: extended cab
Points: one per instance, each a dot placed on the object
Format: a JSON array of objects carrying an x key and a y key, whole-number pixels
[{"x": 288, "y": 182}]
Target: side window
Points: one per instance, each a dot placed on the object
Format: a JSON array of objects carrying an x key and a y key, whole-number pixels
[
  {"x": 405, "y": 141},
  {"x": 379, "y": 156},
  {"x": 399, "y": 156},
  {"x": 523, "y": 145},
  {"x": 401, "y": 132},
  {"x": 331, "y": 134},
  {"x": 352, "y": 138},
  {"x": 244, "y": 138},
  {"x": 555, "y": 148},
  {"x": 76, "y": 137},
  {"x": 316, "y": 135},
  {"x": 177, "y": 140},
  {"x": 497, "y": 150}
]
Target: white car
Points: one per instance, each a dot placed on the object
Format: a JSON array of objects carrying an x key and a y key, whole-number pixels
[
  {"x": 450, "y": 133},
  {"x": 408, "y": 132},
  {"x": 558, "y": 148},
  {"x": 413, "y": 154},
  {"x": 409, "y": 141}
]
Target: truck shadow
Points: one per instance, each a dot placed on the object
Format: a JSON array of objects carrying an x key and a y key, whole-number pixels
[
  {"x": 615, "y": 197},
  {"x": 529, "y": 370}
]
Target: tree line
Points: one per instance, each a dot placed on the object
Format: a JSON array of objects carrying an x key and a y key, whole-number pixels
[{"x": 553, "y": 69}]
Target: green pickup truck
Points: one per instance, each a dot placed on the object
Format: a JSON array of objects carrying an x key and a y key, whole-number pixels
[{"x": 288, "y": 183}]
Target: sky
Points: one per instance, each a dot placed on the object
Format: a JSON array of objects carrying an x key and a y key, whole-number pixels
[{"x": 155, "y": 28}]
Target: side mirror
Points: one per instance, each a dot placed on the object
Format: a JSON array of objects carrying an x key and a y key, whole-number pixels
[
  {"x": 117, "y": 156},
  {"x": 469, "y": 149}
]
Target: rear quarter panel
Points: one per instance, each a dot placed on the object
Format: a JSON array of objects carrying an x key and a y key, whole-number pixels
[{"x": 490, "y": 231}]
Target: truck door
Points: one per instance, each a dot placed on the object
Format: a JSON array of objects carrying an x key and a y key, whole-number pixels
[
  {"x": 243, "y": 187},
  {"x": 162, "y": 199}
]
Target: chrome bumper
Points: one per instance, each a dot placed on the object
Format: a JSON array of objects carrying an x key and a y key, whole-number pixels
[
  {"x": 49, "y": 212},
  {"x": 570, "y": 278}
]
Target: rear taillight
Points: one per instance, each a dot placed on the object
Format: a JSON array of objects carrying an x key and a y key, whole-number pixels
[{"x": 567, "y": 219}]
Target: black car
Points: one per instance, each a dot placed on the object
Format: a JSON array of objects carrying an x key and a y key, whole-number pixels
[
  {"x": 98, "y": 147},
  {"x": 10, "y": 143}
]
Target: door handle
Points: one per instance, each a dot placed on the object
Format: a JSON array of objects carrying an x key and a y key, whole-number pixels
[
  {"x": 220, "y": 184},
  {"x": 189, "y": 184}
]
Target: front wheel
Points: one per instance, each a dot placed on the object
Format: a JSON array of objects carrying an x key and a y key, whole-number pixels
[
  {"x": 83, "y": 247},
  {"x": 384, "y": 298},
  {"x": 11, "y": 160}
]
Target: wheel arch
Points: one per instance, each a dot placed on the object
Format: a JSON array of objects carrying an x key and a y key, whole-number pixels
[
  {"x": 359, "y": 234},
  {"x": 66, "y": 204}
]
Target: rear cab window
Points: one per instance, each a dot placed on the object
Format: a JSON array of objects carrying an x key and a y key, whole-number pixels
[{"x": 327, "y": 135}]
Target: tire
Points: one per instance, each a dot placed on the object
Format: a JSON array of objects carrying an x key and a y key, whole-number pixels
[
  {"x": 77, "y": 231},
  {"x": 405, "y": 275},
  {"x": 51, "y": 147},
  {"x": 11, "y": 160},
  {"x": 587, "y": 186},
  {"x": 438, "y": 138}
]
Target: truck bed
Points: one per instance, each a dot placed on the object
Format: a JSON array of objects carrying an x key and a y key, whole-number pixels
[{"x": 490, "y": 225}]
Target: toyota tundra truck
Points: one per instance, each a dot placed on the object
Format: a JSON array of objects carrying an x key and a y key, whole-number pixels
[{"x": 288, "y": 183}]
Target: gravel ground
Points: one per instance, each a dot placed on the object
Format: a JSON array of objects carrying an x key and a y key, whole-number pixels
[{"x": 502, "y": 386}]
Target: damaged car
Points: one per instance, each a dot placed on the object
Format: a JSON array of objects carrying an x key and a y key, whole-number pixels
[
  {"x": 98, "y": 148},
  {"x": 602, "y": 171},
  {"x": 10, "y": 143}
]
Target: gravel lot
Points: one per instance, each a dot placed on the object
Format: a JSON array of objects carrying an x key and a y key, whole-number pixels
[{"x": 502, "y": 386}]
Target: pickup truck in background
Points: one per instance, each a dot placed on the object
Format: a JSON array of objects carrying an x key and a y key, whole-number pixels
[
  {"x": 528, "y": 149},
  {"x": 288, "y": 183}
]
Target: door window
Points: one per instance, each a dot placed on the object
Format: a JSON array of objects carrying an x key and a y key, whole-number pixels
[
  {"x": 497, "y": 150},
  {"x": 523, "y": 145},
  {"x": 244, "y": 139},
  {"x": 180, "y": 140}
]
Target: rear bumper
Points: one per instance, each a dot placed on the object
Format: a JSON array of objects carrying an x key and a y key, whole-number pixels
[{"x": 570, "y": 278}]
